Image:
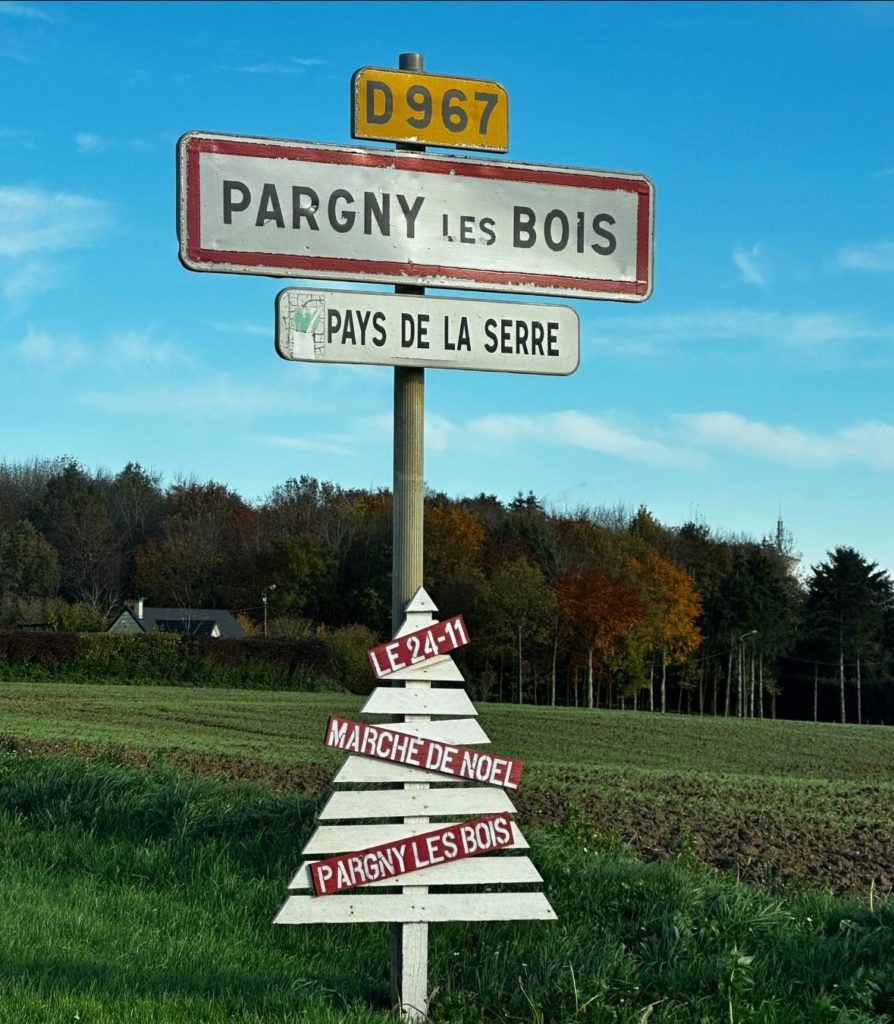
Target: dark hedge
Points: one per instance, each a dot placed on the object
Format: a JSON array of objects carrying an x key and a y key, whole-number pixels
[{"x": 167, "y": 659}]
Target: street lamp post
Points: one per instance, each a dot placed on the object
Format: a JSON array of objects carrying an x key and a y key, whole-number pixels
[
  {"x": 740, "y": 645},
  {"x": 264, "y": 592}
]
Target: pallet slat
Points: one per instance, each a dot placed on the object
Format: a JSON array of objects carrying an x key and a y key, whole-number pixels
[
  {"x": 385, "y": 700},
  {"x": 460, "y": 731},
  {"x": 370, "y": 770},
  {"x": 427, "y": 907},
  {"x": 442, "y": 669},
  {"x": 408, "y": 803}
]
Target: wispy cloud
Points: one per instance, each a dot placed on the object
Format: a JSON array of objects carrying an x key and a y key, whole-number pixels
[
  {"x": 242, "y": 327},
  {"x": 127, "y": 349},
  {"x": 646, "y": 333},
  {"x": 336, "y": 446},
  {"x": 33, "y": 220},
  {"x": 567, "y": 429},
  {"x": 18, "y": 137},
  {"x": 870, "y": 442},
  {"x": 43, "y": 349},
  {"x": 26, "y": 11},
  {"x": 29, "y": 278},
  {"x": 214, "y": 394},
  {"x": 123, "y": 350},
  {"x": 870, "y": 256},
  {"x": 291, "y": 66},
  {"x": 89, "y": 142},
  {"x": 93, "y": 142},
  {"x": 751, "y": 263},
  {"x": 266, "y": 68}
]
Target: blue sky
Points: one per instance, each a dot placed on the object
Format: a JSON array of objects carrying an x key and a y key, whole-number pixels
[{"x": 757, "y": 378}]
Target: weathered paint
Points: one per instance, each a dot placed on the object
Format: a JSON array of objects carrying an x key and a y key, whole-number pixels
[
  {"x": 313, "y": 325},
  {"x": 279, "y": 208},
  {"x": 434, "y": 641},
  {"x": 438, "y": 846},
  {"x": 399, "y": 747},
  {"x": 432, "y": 110}
]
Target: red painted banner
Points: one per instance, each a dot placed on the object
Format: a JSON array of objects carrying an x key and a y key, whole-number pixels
[
  {"x": 433, "y": 755},
  {"x": 423, "y": 645},
  {"x": 453, "y": 842}
]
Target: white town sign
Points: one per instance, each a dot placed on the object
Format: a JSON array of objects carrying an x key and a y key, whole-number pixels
[
  {"x": 313, "y": 325},
  {"x": 299, "y": 209}
]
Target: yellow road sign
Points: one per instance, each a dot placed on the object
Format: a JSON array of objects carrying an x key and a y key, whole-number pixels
[{"x": 433, "y": 110}]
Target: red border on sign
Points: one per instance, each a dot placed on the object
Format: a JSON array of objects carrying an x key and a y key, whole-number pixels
[{"x": 196, "y": 145}]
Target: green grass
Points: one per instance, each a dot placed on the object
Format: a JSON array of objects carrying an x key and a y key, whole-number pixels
[
  {"x": 147, "y": 896},
  {"x": 778, "y": 801},
  {"x": 286, "y": 728}
]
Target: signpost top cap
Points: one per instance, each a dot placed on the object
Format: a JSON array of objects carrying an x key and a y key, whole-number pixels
[{"x": 421, "y": 602}]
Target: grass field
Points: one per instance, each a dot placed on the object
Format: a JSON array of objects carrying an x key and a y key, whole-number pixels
[
  {"x": 134, "y": 890},
  {"x": 775, "y": 801}
]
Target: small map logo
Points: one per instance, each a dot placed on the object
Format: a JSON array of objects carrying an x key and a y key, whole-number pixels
[{"x": 308, "y": 318}]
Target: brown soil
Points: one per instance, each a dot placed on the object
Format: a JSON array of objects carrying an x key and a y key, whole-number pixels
[{"x": 764, "y": 845}]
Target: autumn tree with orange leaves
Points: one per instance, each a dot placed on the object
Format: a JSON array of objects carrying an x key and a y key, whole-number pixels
[
  {"x": 602, "y": 608},
  {"x": 669, "y": 624}
]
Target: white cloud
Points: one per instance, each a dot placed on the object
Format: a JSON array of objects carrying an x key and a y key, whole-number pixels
[
  {"x": 646, "y": 333},
  {"x": 751, "y": 263},
  {"x": 243, "y": 327},
  {"x": 30, "y": 278},
  {"x": 335, "y": 446},
  {"x": 871, "y": 256},
  {"x": 26, "y": 11},
  {"x": 870, "y": 442},
  {"x": 32, "y": 220},
  {"x": 293, "y": 66},
  {"x": 211, "y": 394},
  {"x": 141, "y": 348},
  {"x": 568, "y": 429},
  {"x": 89, "y": 142},
  {"x": 267, "y": 68},
  {"x": 574, "y": 429},
  {"x": 44, "y": 349},
  {"x": 129, "y": 350},
  {"x": 18, "y": 137}
]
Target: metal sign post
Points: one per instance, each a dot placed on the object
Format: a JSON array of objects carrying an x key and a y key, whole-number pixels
[
  {"x": 409, "y": 942},
  {"x": 413, "y": 219}
]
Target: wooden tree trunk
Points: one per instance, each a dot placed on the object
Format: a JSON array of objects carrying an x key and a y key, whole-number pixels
[
  {"x": 841, "y": 683},
  {"x": 520, "y": 691},
  {"x": 652, "y": 682},
  {"x": 552, "y": 687},
  {"x": 859, "y": 694},
  {"x": 816, "y": 693},
  {"x": 663, "y": 682},
  {"x": 589, "y": 677},
  {"x": 751, "y": 687},
  {"x": 701, "y": 690},
  {"x": 760, "y": 684},
  {"x": 729, "y": 682}
]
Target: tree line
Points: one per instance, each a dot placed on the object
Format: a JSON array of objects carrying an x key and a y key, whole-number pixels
[{"x": 599, "y": 607}]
